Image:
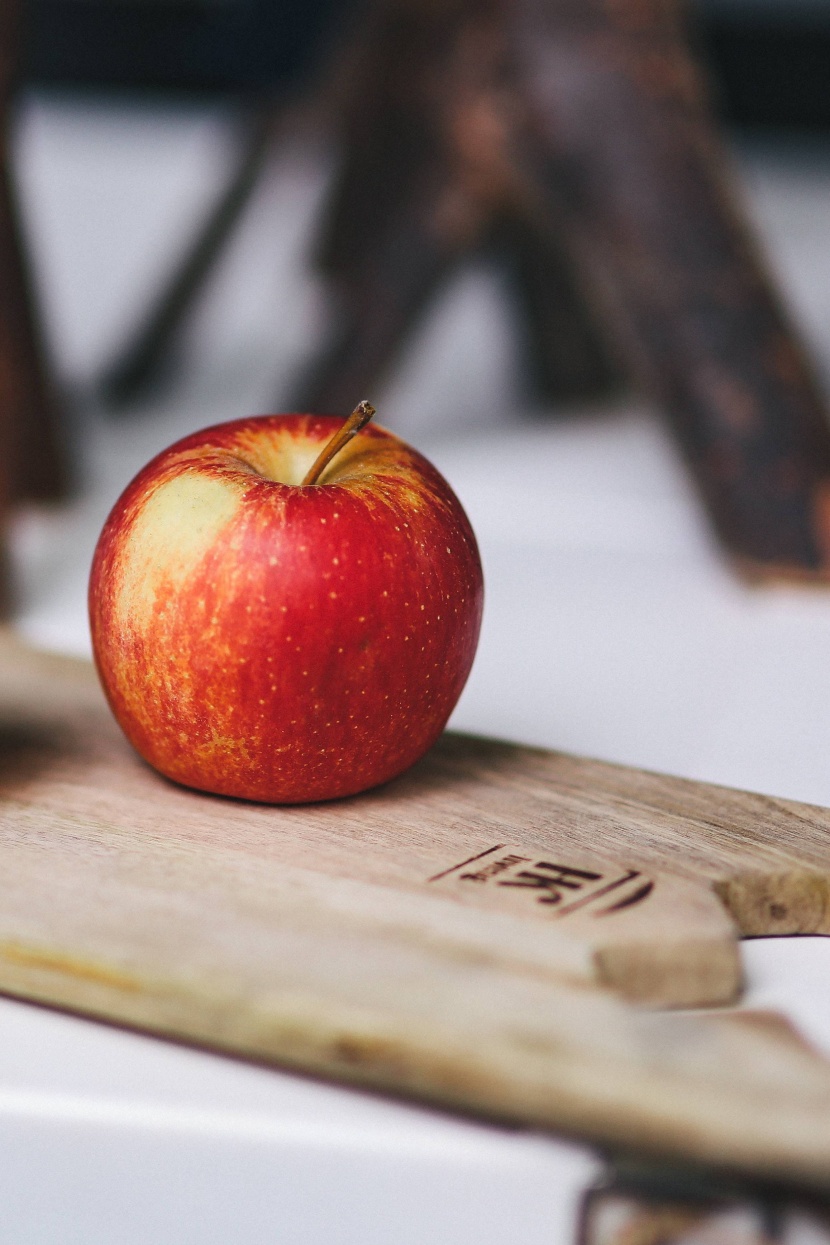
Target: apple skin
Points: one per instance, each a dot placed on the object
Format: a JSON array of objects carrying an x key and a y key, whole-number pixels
[{"x": 280, "y": 643}]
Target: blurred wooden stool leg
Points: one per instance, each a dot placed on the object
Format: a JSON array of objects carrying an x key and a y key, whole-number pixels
[
  {"x": 32, "y": 466},
  {"x": 638, "y": 1202},
  {"x": 606, "y": 129},
  {"x": 566, "y": 355},
  {"x": 392, "y": 232},
  {"x": 36, "y": 461},
  {"x": 624, "y": 137},
  {"x": 379, "y": 302},
  {"x": 424, "y": 183},
  {"x": 396, "y": 224},
  {"x": 144, "y": 357}
]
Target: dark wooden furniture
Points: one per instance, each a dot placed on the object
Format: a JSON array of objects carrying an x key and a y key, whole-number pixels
[
  {"x": 578, "y": 135},
  {"x": 32, "y": 466},
  {"x": 575, "y": 139}
]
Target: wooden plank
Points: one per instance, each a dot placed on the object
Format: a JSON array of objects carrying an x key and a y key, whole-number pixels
[
  {"x": 438, "y": 937},
  {"x": 547, "y": 893}
]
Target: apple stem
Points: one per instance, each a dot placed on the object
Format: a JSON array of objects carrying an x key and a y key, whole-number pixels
[{"x": 358, "y": 419}]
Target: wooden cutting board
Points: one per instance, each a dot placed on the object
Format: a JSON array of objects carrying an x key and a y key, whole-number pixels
[{"x": 482, "y": 933}]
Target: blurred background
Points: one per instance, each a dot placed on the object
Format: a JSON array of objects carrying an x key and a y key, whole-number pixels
[
  {"x": 768, "y": 57},
  {"x": 615, "y": 625}
]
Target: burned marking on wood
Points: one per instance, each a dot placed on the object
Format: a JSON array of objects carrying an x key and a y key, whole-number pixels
[{"x": 559, "y": 888}]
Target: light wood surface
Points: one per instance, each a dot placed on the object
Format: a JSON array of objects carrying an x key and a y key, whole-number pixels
[{"x": 441, "y": 937}]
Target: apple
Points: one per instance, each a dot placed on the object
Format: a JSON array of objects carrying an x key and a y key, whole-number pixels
[{"x": 285, "y": 608}]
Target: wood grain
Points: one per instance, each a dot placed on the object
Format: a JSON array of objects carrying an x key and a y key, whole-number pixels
[{"x": 362, "y": 941}]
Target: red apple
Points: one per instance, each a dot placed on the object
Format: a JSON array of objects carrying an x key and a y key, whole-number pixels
[{"x": 265, "y": 637}]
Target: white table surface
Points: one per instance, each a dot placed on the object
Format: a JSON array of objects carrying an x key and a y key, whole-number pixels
[{"x": 612, "y": 628}]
